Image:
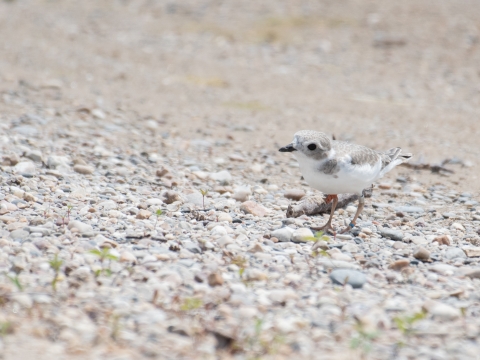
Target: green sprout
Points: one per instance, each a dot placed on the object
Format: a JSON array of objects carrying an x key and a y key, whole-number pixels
[
  {"x": 204, "y": 193},
  {"x": 405, "y": 323},
  {"x": 104, "y": 255},
  {"x": 363, "y": 340},
  {"x": 241, "y": 262},
  {"x": 158, "y": 213},
  {"x": 191, "y": 304},
  {"x": 16, "y": 281},
  {"x": 260, "y": 343},
  {"x": 320, "y": 235},
  {"x": 55, "y": 264},
  {"x": 69, "y": 211}
]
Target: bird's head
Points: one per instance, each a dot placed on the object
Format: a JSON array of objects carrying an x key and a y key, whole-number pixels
[{"x": 312, "y": 144}]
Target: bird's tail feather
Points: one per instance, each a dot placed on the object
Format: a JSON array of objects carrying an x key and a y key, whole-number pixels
[{"x": 396, "y": 158}]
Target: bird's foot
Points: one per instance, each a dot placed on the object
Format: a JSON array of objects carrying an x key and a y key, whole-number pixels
[
  {"x": 348, "y": 228},
  {"x": 327, "y": 228}
]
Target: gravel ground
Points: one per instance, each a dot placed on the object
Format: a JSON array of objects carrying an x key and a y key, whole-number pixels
[{"x": 143, "y": 200}]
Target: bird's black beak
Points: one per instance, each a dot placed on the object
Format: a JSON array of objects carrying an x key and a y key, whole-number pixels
[{"x": 288, "y": 148}]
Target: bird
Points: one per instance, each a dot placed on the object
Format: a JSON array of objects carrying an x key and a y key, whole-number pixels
[{"x": 338, "y": 167}]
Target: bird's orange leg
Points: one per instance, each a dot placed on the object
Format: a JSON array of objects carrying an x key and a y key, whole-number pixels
[
  {"x": 328, "y": 226},
  {"x": 361, "y": 203}
]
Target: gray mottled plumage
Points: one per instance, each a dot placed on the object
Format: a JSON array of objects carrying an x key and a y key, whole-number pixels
[
  {"x": 335, "y": 167},
  {"x": 359, "y": 154}
]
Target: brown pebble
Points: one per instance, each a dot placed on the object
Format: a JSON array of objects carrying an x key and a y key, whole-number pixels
[
  {"x": 163, "y": 172},
  {"x": 83, "y": 169},
  {"x": 251, "y": 207},
  {"x": 215, "y": 279},
  {"x": 422, "y": 254},
  {"x": 144, "y": 214},
  {"x": 256, "y": 248},
  {"x": 294, "y": 194},
  {"x": 442, "y": 240},
  {"x": 170, "y": 197},
  {"x": 399, "y": 264},
  {"x": 274, "y": 239}
]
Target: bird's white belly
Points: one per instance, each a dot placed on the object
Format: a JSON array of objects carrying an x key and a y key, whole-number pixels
[{"x": 350, "y": 178}]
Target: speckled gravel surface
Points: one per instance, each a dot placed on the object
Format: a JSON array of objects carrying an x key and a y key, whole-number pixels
[
  {"x": 223, "y": 272},
  {"x": 143, "y": 200}
]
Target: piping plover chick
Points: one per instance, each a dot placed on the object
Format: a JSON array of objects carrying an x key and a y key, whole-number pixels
[{"x": 338, "y": 167}]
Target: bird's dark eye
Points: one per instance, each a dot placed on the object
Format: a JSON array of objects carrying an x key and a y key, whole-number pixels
[{"x": 312, "y": 147}]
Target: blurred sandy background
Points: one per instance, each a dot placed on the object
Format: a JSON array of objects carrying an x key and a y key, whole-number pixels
[{"x": 380, "y": 73}]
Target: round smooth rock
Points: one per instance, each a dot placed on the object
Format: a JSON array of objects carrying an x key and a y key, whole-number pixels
[
  {"x": 392, "y": 234},
  {"x": 284, "y": 234},
  {"x": 422, "y": 254},
  {"x": 294, "y": 194},
  {"x": 83, "y": 169},
  {"x": 302, "y": 235},
  {"x": 454, "y": 253},
  {"x": 347, "y": 276},
  {"x": 399, "y": 264}
]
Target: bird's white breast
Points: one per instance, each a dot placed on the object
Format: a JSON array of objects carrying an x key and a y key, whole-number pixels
[{"x": 349, "y": 179}]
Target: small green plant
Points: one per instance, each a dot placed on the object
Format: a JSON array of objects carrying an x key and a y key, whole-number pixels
[
  {"x": 204, "y": 193},
  {"x": 191, "y": 303},
  {"x": 260, "y": 343},
  {"x": 69, "y": 211},
  {"x": 405, "y": 323},
  {"x": 16, "y": 281},
  {"x": 158, "y": 213},
  {"x": 55, "y": 264},
  {"x": 363, "y": 339},
  {"x": 241, "y": 262},
  {"x": 104, "y": 255},
  {"x": 320, "y": 235},
  {"x": 116, "y": 327},
  {"x": 5, "y": 328}
]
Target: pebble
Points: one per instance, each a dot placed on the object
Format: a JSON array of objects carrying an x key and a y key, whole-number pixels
[
  {"x": 252, "y": 207},
  {"x": 399, "y": 264},
  {"x": 399, "y": 245},
  {"x": 215, "y": 279},
  {"x": 458, "y": 226},
  {"x": 347, "y": 276},
  {"x": 128, "y": 257},
  {"x": 441, "y": 311},
  {"x": 19, "y": 234},
  {"x": 242, "y": 194},
  {"x": 472, "y": 252},
  {"x": 26, "y": 168},
  {"x": 224, "y": 177},
  {"x": 409, "y": 209},
  {"x": 422, "y": 254},
  {"x": 255, "y": 275},
  {"x": 454, "y": 253},
  {"x": 392, "y": 234},
  {"x": 143, "y": 214},
  {"x": 83, "y": 169},
  {"x": 224, "y": 217},
  {"x": 417, "y": 240},
  {"x": 294, "y": 194},
  {"x": 84, "y": 229},
  {"x": 302, "y": 235},
  {"x": 442, "y": 240},
  {"x": 284, "y": 234}
]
